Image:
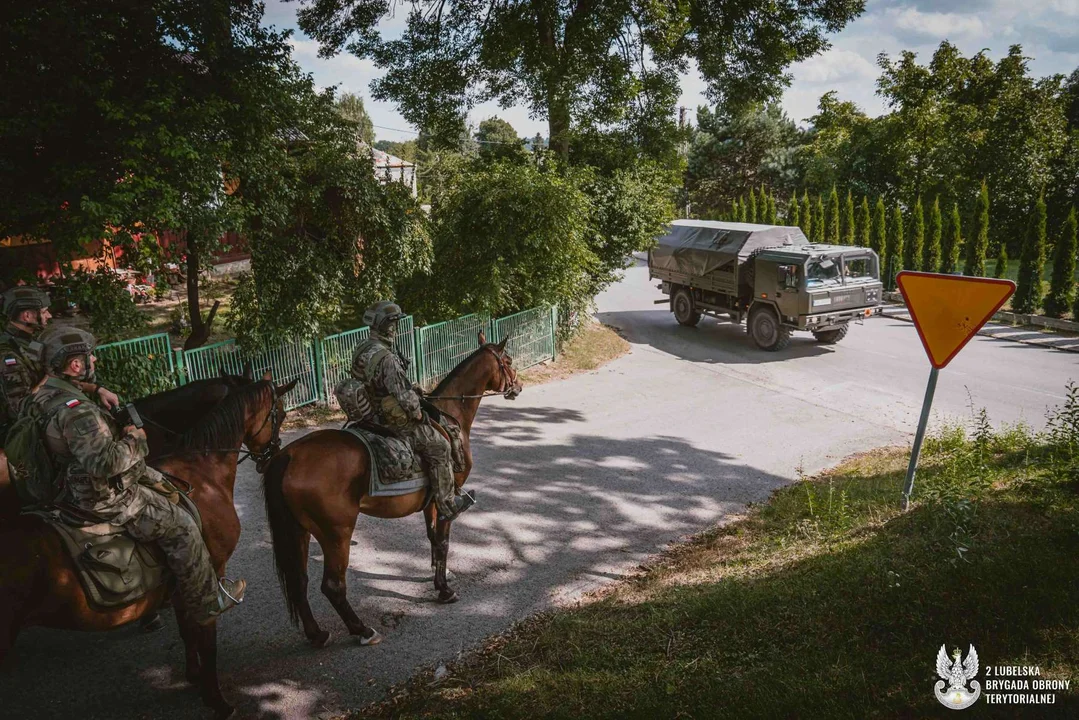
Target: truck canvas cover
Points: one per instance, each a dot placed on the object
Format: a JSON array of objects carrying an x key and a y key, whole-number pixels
[{"x": 699, "y": 247}]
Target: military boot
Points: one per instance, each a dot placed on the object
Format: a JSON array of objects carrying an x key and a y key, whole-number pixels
[
  {"x": 461, "y": 503},
  {"x": 230, "y": 593}
]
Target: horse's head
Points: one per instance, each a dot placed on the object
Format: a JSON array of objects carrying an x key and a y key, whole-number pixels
[
  {"x": 262, "y": 433},
  {"x": 505, "y": 381}
]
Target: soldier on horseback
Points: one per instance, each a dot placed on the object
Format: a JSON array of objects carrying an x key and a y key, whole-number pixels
[
  {"x": 27, "y": 310},
  {"x": 105, "y": 477},
  {"x": 396, "y": 404}
]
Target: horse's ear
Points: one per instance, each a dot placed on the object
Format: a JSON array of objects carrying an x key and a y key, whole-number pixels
[
  {"x": 282, "y": 389},
  {"x": 483, "y": 338},
  {"x": 267, "y": 375},
  {"x": 502, "y": 345},
  {"x": 248, "y": 372}
]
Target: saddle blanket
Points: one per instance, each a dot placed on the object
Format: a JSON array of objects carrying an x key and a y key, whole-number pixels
[
  {"x": 395, "y": 468},
  {"x": 113, "y": 569}
]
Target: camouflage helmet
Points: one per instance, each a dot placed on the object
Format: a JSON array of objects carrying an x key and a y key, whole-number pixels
[
  {"x": 61, "y": 343},
  {"x": 20, "y": 298},
  {"x": 379, "y": 316}
]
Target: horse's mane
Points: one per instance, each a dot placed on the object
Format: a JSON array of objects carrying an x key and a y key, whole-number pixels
[
  {"x": 223, "y": 427},
  {"x": 457, "y": 370}
]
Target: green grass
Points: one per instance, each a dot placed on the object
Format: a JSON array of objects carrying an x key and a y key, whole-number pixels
[{"x": 826, "y": 601}]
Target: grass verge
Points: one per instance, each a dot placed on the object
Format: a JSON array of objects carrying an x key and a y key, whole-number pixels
[
  {"x": 594, "y": 346},
  {"x": 824, "y": 602}
]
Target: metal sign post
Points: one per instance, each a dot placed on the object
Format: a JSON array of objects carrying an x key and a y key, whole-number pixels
[
  {"x": 947, "y": 310},
  {"x": 919, "y": 436}
]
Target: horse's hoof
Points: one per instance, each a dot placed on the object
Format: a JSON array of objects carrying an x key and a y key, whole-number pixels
[
  {"x": 374, "y": 639},
  {"x": 447, "y": 597},
  {"x": 153, "y": 624},
  {"x": 319, "y": 639}
]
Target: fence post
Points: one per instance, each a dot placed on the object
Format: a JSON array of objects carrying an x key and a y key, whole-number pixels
[
  {"x": 554, "y": 333},
  {"x": 320, "y": 363},
  {"x": 181, "y": 369},
  {"x": 418, "y": 353}
]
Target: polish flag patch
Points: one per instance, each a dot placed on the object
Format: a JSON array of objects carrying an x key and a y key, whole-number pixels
[
  {"x": 72, "y": 403},
  {"x": 10, "y": 361}
]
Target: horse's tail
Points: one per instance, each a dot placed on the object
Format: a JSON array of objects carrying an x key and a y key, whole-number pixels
[{"x": 286, "y": 534}]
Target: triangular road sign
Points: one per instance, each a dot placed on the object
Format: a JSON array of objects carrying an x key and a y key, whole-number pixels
[{"x": 949, "y": 310}]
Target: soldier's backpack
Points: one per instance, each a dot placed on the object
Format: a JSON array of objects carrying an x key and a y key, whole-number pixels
[{"x": 32, "y": 468}]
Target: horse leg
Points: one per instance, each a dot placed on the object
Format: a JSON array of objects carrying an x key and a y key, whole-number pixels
[
  {"x": 333, "y": 587},
  {"x": 446, "y": 594},
  {"x": 430, "y": 520},
  {"x": 189, "y": 634},
  {"x": 211, "y": 690},
  {"x": 9, "y": 628},
  {"x": 316, "y": 635}
]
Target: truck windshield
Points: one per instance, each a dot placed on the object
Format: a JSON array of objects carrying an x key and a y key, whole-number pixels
[
  {"x": 859, "y": 268},
  {"x": 823, "y": 271}
]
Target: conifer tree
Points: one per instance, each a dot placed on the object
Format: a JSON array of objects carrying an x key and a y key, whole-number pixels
[
  {"x": 847, "y": 236},
  {"x": 912, "y": 257},
  {"x": 978, "y": 245},
  {"x": 931, "y": 258},
  {"x": 742, "y": 209},
  {"x": 895, "y": 245},
  {"x": 773, "y": 213},
  {"x": 792, "y": 219},
  {"x": 864, "y": 223},
  {"x": 807, "y": 216},
  {"x": 1062, "y": 288},
  {"x": 818, "y": 221},
  {"x": 1000, "y": 270},
  {"x": 879, "y": 240},
  {"x": 953, "y": 243},
  {"x": 832, "y": 226},
  {"x": 751, "y": 212},
  {"x": 1028, "y": 294}
]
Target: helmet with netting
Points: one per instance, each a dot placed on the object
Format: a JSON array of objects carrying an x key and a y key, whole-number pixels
[{"x": 381, "y": 316}]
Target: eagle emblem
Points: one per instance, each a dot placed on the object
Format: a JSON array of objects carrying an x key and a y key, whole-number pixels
[{"x": 955, "y": 674}]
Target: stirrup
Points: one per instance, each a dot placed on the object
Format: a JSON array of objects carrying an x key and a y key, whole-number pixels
[
  {"x": 461, "y": 503},
  {"x": 230, "y": 593}
]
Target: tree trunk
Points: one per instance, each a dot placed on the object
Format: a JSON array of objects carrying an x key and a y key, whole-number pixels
[
  {"x": 558, "y": 124},
  {"x": 200, "y": 331}
]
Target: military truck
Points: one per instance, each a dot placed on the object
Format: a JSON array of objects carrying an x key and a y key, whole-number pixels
[{"x": 769, "y": 275}]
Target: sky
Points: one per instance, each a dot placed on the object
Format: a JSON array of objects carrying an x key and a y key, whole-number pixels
[{"x": 1048, "y": 30}]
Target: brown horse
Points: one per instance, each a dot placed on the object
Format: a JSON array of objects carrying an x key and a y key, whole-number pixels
[
  {"x": 317, "y": 485},
  {"x": 38, "y": 584}
]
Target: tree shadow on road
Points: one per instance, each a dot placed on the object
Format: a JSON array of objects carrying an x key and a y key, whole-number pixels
[{"x": 555, "y": 516}]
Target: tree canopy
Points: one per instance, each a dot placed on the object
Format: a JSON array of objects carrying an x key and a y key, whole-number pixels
[{"x": 584, "y": 66}]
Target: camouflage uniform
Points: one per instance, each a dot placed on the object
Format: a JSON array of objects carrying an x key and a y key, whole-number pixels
[
  {"x": 20, "y": 371},
  {"x": 396, "y": 405},
  {"x": 102, "y": 473}
]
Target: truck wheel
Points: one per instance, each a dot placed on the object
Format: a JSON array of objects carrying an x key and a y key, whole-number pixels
[
  {"x": 831, "y": 337},
  {"x": 683, "y": 309},
  {"x": 766, "y": 331}
]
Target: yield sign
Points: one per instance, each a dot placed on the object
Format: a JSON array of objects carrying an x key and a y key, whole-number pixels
[{"x": 949, "y": 310}]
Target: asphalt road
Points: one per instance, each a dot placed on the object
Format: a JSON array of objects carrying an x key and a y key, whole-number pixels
[{"x": 579, "y": 481}]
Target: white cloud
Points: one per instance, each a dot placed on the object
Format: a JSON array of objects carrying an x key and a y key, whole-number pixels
[
  {"x": 833, "y": 66},
  {"x": 937, "y": 24}
]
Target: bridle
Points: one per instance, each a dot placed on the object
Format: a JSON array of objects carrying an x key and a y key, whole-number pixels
[
  {"x": 273, "y": 417},
  {"x": 505, "y": 391}
]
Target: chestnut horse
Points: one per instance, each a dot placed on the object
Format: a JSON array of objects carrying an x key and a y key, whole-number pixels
[
  {"x": 317, "y": 485},
  {"x": 38, "y": 585}
]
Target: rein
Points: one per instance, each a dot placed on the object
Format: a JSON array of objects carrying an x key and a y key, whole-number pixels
[
  {"x": 260, "y": 457},
  {"x": 507, "y": 384}
]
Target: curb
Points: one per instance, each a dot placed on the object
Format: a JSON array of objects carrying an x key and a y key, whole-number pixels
[
  {"x": 1012, "y": 318},
  {"x": 999, "y": 331}
]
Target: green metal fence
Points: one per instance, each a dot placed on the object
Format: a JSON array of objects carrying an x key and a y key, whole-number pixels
[
  {"x": 439, "y": 348},
  {"x": 137, "y": 367},
  {"x": 141, "y": 366},
  {"x": 531, "y": 335},
  {"x": 287, "y": 362}
]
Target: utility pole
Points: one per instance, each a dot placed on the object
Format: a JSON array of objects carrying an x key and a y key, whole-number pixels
[{"x": 685, "y": 145}]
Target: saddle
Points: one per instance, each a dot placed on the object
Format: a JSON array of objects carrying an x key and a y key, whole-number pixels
[
  {"x": 395, "y": 468},
  {"x": 113, "y": 569}
]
